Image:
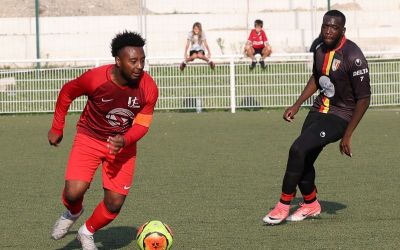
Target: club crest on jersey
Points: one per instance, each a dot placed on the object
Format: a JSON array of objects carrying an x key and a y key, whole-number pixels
[
  {"x": 358, "y": 62},
  {"x": 133, "y": 102},
  {"x": 335, "y": 64},
  {"x": 120, "y": 117}
]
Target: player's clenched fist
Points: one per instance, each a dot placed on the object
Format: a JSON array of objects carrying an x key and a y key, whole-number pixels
[
  {"x": 115, "y": 144},
  {"x": 289, "y": 113},
  {"x": 54, "y": 139}
]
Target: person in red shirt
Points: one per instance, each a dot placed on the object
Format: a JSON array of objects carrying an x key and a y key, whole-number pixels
[
  {"x": 257, "y": 43},
  {"x": 118, "y": 113}
]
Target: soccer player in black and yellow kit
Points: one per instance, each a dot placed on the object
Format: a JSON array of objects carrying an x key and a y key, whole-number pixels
[{"x": 341, "y": 74}]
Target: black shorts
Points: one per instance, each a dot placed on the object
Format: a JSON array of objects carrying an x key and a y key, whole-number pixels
[
  {"x": 258, "y": 51},
  {"x": 196, "y": 52}
]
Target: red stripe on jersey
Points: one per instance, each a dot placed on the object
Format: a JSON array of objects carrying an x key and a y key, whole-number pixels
[
  {"x": 326, "y": 59},
  {"x": 324, "y": 108},
  {"x": 329, "y": 65}
]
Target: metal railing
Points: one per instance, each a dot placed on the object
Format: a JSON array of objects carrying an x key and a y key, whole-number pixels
[{"x": 24, "y": 88}]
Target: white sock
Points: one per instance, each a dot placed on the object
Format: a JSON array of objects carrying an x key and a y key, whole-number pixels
[{"x": 83, "y": 230}]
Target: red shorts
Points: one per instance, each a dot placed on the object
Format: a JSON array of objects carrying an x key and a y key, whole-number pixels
[{"x": 88, "y": 153}]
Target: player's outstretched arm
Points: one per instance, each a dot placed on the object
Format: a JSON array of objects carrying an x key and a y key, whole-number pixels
[
  {"x": 308, "y": 91},
  {"x": 359, "y": 111},
  {"x": 69, "y": 92}
]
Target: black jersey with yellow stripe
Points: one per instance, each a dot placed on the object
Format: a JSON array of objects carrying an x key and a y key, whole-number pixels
[{"x": 342, "y": 76}]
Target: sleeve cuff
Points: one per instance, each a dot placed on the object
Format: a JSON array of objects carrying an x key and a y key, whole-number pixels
[
  {"x": 56, "y": 131},
  {"x": 127, "y": 141}
]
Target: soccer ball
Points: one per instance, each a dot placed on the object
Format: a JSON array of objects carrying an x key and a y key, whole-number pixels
[{"x": 154, "y": 235}]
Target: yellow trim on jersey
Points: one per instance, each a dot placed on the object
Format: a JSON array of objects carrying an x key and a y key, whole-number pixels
[
  {"x": 328, "y": 67},
  {"x": 325, "y": 107}
]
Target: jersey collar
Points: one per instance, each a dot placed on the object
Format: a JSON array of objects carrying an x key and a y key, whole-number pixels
[{"x": 342, "y": 42}]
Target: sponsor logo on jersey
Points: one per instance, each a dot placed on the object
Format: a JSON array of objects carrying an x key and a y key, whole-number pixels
[
  {"x": 360, "y": 72},
  {"x": 335, "y": 64},
  {"x": 106, "y": 100},
  {"x": 358, "y": 62},
  {"x": 133, "y": 102},
  {"x": 120, "y": 117},
  {"x": 322, "y": 134}
]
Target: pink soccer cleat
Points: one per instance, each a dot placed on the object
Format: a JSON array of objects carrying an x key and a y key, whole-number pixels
[
  {"x": 278, "y": 214},
  {"x": 305, "y": 211}
]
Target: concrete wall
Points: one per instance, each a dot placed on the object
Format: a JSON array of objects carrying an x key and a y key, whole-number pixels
[{"x": 290, "y": 26}]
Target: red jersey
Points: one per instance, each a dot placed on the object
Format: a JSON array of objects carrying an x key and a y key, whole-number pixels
[
  {"x": 257, "y": 40},
  {"x": 111, "y": 109}
]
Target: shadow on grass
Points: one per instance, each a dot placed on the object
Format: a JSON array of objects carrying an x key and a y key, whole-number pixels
[
  {"x": 331, "y": 207},
  {"x": 110, "y": 238}
]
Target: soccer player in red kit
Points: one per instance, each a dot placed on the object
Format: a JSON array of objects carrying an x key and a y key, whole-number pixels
[
  {"x": 118, "y": 113},
  {"x": 257, "y": 43},
  {"x": 341, "y": 75}
]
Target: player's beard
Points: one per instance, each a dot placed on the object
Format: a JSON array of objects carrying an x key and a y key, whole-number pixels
[
  {"x": 333, "y": 44},
  {"x": 129, "y": 80}
]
